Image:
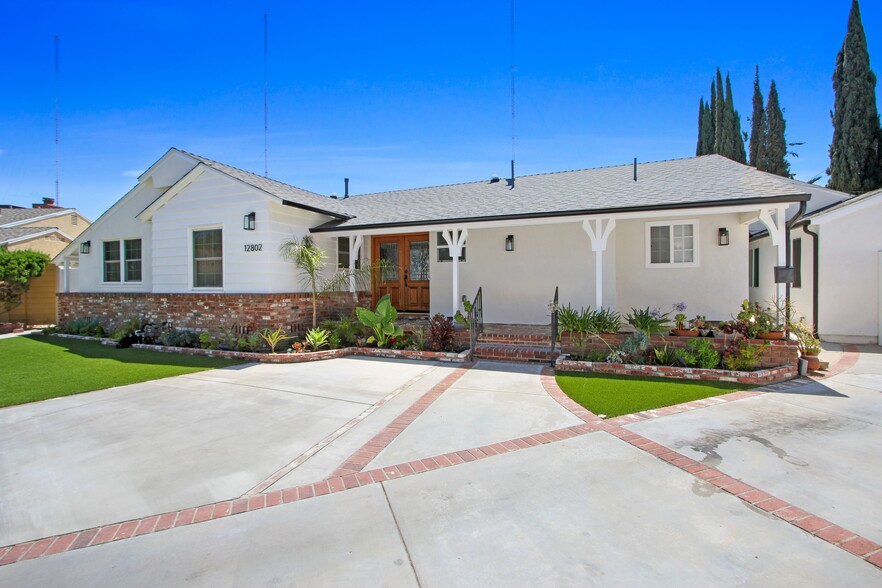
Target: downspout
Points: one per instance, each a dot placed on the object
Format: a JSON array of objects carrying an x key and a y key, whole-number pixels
[
  {"x": 802, "y": 207},
  {"x": 815, "y": 281}
]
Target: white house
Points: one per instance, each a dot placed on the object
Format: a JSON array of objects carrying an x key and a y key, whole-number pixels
[
  {"x": 837, "y": 256},
  {"x": 198, "y": 233}
]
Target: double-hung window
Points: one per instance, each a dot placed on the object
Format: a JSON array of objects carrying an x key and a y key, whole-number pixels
[
  {"x": 121, "y": 261},
  {"x": 673, "y": 244},
  {"x": 208, "y": 258}
]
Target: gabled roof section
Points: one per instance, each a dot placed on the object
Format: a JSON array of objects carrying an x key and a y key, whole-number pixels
[
  {"x": 709, "y": 180},
  {"x": 10, "y": 217},
  {"x": 17, "y": 234},
  {"x": 291, "y": 195}
]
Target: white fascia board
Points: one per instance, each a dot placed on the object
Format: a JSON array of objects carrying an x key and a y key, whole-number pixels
[
  {"x": 490, "y": 224},
  {"x": 188, "y": 178},
  {"x": 846, "y": 209}
]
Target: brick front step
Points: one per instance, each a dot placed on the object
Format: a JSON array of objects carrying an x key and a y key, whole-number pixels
[{"x": 532, "y": 353}]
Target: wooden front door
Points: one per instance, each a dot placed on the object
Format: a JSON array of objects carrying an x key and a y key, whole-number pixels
[{"x": 404, "y": 270}]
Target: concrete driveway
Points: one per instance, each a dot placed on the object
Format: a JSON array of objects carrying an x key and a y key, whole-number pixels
[{"x": 486, "y": 476}]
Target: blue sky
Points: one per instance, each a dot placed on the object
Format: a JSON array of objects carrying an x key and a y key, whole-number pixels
[{"x": 395, "y": 94}]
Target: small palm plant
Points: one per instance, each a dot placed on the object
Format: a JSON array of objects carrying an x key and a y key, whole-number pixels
[{"x": 312, "y": 260}]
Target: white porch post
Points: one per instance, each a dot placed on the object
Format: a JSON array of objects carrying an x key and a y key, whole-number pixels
[
  {"x": 455, "y": 239},
  {"x": 778, "y": 234},
  {"x": 355, "y": 243},
  {"x": 66, "y": 274},
  {"x": 599, "y": 236}
]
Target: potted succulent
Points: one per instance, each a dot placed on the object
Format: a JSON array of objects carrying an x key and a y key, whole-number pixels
[
  {"x": 768, "y": 323},
  {"x": 809, "y": 345},
  {"x": 680, "y": 320}
]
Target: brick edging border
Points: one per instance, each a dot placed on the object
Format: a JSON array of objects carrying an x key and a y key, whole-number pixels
[{"x": 365, "y": 454}]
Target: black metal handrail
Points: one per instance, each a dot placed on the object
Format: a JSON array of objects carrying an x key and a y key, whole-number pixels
[
  {"x": 476, "y": 318},
  {"x": 554, "y": 317}
]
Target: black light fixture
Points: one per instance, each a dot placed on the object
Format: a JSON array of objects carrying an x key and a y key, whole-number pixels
[
  {"x": 248, "y": 221},
  {"x": 509, "y": 243},
  {"x": 85, "y": 247},
  {"x": 724, "y": 237}
]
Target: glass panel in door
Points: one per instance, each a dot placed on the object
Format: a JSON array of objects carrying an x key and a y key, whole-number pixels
[
  {"x": 389, "y": 262},
  {"x": 419, "y": 260}
]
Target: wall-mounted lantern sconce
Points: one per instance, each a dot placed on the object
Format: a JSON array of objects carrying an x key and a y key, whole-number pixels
[
  {"x": 509, "y": 243},
  {"x": 724, "y": 237},
  {"x": 85, "y": 247},
  {"x": 248, "y": 221}
]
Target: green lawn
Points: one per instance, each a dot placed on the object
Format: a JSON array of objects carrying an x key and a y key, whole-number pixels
[
  {"x": 38, "y": 367},
  {"x": 611, "y": 395}
]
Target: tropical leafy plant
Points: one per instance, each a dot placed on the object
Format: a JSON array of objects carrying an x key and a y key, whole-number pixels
[
  {"x": 273, "y": 338},
  {"x": 316, "y": 338},
  {"x": 419, "y": 340},
  {"x": 664, "y": 355},
  {"x": 381, "y": 321}
]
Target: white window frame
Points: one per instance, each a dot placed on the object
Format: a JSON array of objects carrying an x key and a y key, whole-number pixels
[
  {"x": 120, "y": 241},
  {"x": 441, "y": 244},
  {"x": 191, "y": 260},
  {"x": 348, "y": 249},
  {"x": 671, "y": 223}
]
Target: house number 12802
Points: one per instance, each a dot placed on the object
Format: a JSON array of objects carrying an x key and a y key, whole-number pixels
[{"x": 251, "y": 247}]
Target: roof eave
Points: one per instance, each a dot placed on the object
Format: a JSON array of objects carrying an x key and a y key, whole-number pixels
[{"x": 335, "y": 226}]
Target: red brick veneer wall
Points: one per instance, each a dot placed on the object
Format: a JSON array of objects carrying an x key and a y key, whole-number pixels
[
  {"x": 777, "y": 353},
  {"x": 209, "y": 312}
]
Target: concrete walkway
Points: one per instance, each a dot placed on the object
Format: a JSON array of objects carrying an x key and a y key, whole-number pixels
[{"x": 753, "y": 489}]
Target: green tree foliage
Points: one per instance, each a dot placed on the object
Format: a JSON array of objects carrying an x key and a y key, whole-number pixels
[
  {"x": 775, "y": 160},
  {"x": 17, "y": 269},
  {"x": 759, "y": 129},
  {"x": 719, "y": 128},
  {"x": 856, "y": 150}
]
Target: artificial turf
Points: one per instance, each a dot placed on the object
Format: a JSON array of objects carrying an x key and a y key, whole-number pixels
[
  {"x": 612, "y": 395},
  {"x": 38, "y": 367}
]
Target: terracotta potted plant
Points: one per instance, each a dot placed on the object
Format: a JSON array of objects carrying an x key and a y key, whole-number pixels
[
  {"x": 810, "y": 351},
  {"x": 680, "y": 329}
]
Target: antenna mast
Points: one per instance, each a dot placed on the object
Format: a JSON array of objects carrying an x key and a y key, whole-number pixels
[
  {"x": 512, "y": 54},
  {"x": 265, "y": 98},
  {"x": 57, "y": 197}
]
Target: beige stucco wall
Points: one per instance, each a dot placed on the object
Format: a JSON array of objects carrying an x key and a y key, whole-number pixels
[
  {"x": 715, "y": 288},
  {"x": 518, "y": 285},
  {"x": 849, "y": 276}
]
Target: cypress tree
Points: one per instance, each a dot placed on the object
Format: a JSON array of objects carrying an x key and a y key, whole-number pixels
[
  {"x": 776, "y": 154},
  {"x": 734, "y": 141},
  {"x": 720, "y": 119},
  {"x": 705, "y": 144},
  {"x": 855, "y": 158},
  {"x": 758, "y": 126},
  {"x": 699, "y": 146}
]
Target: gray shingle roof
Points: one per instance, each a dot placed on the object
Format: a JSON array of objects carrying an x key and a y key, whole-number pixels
[
  {"x": 14, "y": 215},
  {"x": 695, "y": 181},
  {"x": 299, "y": 196},
  {"x": 8, "y": 234}
]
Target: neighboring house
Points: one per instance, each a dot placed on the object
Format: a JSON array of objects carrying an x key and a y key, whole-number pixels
[
  {"x": 47, "y": 229},
  {"x": 197, "y": 241},
  {"x": 840, "y": 289}
]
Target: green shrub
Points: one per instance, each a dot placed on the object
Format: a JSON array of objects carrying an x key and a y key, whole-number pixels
[
  {"x": 651, "y": 322},
  {"x": 206, "y": 341},
  {"x": 418, "y": 340},
  {"x": 744, "y": 357},
  {"x": 703, "y": 354},
  {"x": 179, "y": 338},
  {"x": 275, "y": 338},
  {"x": 126, "y": 329}
]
